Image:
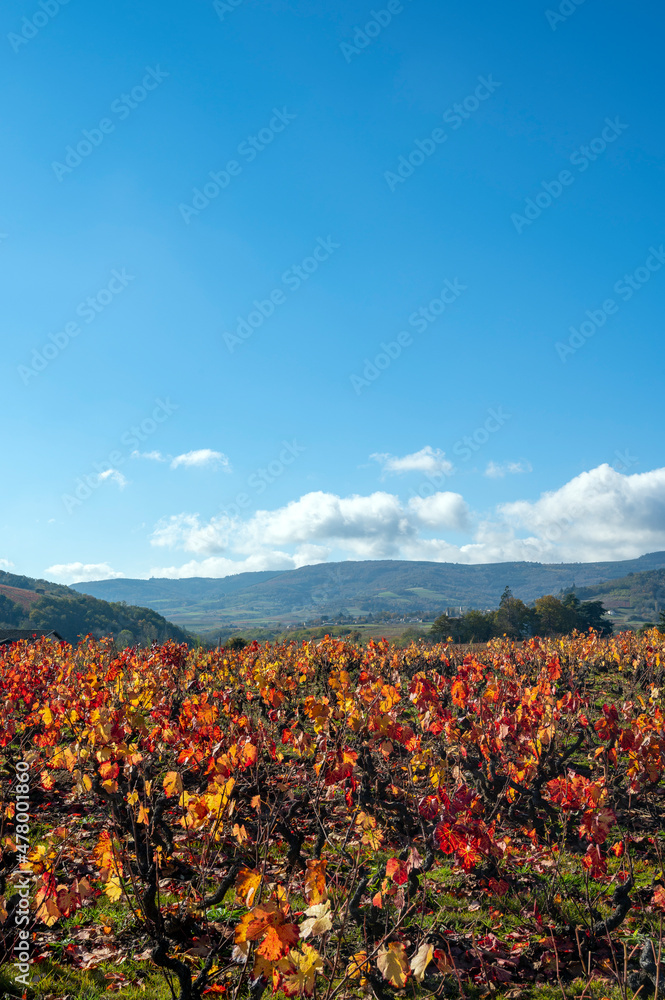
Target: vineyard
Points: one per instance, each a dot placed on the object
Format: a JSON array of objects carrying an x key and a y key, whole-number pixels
[{"x": 332, "y": 821}]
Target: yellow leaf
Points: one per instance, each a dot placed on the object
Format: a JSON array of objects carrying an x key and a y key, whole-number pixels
[
  {"x": 421, "y": 960},
  {"x": 358, "y": 965},
  {"x": 393, "y": 964},
  {"x": 319, "y": 920},
  {"x": 113, "y": 889},
  {"x": 48, "y": 912},
  {"x": 302, "y": 972},
  {"x": 172, "y": 784}
]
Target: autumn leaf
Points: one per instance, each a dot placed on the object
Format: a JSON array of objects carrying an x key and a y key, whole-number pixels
[
  {"x": 443, "y": 962},
  {"x": 319, "y": 920},
  {"x": 249, "y": 755},
  {"x": 658, "y": 898},
  {"x": 109, "y": 770},
  {"x": 421, "y": 960},
  {"x": 340, "y": 766},
  {"x": 48, "y": 911},
  {"x": 247, "y": 883},
  {"x": 304, "y": 969},
  {"x": 113, "y": 889},
  {"x": 277, "y": 941},
  {"x": 172, "y": 784},
  {"x": 397, "y": 871},
  {"x": 358, "y": 965},
  {"x": 268, "y": 924},
  {"x": 315, "y": 881},
  {"x": 393, "y": 964}
]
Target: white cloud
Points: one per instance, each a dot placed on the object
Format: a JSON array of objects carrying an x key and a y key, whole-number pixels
[
  {"x": 442, "y": 510},
  {"x": 494, "y": 471},
  {"x": 6, "y": 564},
  {"x": 598, "y": 515},
  {"x": 152, "y": 456},
  {"x": 202, "y": 458},
  {"x": 81, "y": 572},
  {"x": 430, "y": 461},
  {"x": 113, "y": 476}
]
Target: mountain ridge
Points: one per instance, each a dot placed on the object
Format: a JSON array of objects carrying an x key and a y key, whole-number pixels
[{"x": 363, "y": 587}]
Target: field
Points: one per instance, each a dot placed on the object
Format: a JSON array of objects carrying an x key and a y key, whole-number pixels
[
  {"x": 328, "y": 820},
  {"x": 24, "y": 598}
]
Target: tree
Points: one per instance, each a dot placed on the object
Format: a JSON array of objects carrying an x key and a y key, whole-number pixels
[
  {"x": 554, "y": 617},
  {"x": 514, "y": 618},
  {"x": 477, "y": 626},
  {"x": 11, "y": 613},
  {"x": 588, "y": 614},
  {"x": 237, "y": 642},
  {"x": 445, "y": 628}
]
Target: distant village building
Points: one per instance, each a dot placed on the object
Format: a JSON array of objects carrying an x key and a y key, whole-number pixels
[{"x": 10, "y": 635}]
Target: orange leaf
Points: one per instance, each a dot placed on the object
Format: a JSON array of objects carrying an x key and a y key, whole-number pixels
[
  {"x": 247, "y": 883},
  {"x": 277, "y": 941},
  {"x": 315, "y": 882},
  {"x": 172, "y": 784}
]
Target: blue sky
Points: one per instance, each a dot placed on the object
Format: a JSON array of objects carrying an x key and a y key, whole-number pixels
[{"x": 330, "y": 242}]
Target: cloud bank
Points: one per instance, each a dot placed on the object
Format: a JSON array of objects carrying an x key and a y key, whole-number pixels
[
  {"x": 599, "y": 515},
  {"x": 77, "y": 572}
]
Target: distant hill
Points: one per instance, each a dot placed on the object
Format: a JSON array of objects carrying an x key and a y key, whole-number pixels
[
  {"x": 26, "y": 603},
  {"x": 358, "y": 588},
  {"x": 634, "y": 599}
]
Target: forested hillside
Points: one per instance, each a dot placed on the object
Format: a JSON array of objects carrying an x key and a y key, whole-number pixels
[{"x": 26, "y": 603}]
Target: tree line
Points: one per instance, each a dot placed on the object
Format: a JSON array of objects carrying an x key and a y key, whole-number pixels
[
  {"x": 75, "y": 615},
  {"x": 549, "y": 616}
]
